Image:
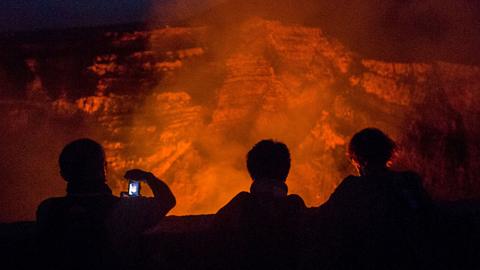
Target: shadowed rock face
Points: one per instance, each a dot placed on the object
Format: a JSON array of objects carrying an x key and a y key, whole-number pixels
[{"x": 188, "y": 102}]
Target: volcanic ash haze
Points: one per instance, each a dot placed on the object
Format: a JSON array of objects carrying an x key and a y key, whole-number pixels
[{"x": 293, "y": 83}]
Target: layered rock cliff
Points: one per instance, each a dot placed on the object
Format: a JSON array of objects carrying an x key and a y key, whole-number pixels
[{"x": 190, "y": 102}]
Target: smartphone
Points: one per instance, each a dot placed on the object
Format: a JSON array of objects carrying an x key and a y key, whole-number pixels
[{"x": 134, "y": 188}]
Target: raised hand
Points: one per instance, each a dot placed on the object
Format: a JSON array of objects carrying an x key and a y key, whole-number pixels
[{"x": 137, "y": 174}]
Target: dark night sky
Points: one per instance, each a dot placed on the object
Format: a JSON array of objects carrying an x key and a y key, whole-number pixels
[{"x": 41, "y": 14}]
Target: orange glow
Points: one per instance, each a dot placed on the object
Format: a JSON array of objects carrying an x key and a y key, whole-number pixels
[
  {"x": 270, "y": 80},
  {"x": 202, "y": 96}
]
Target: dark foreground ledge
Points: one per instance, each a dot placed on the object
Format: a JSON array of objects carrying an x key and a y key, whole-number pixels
[{"x": 187, "y": 242}]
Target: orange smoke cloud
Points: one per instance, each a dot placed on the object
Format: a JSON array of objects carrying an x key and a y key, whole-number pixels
[{"x": 190, "y": 105}]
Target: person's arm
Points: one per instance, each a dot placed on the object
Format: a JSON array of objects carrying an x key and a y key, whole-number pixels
[{"x": 163, "y": 199}]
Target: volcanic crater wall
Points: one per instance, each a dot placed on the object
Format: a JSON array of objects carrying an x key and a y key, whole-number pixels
[{"x": 187, "y": 103}]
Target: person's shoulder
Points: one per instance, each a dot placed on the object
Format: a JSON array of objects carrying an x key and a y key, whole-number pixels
[
  {"x": 348, "y": 187},
  {"x": 241, "y": 198},
  {"x": 229, "y": 215},
  {"x": 51, "y": 202},
  {"x": 414, "y": 182},
  {"x": 49, "y": 207},
  {"x": 409, "y": 178},
  {"x": 236, "y": 202},
  {"x": 348, "y": 182},
  {"x": 296, "y": 200},
  {"x": 410, "y": 175}
]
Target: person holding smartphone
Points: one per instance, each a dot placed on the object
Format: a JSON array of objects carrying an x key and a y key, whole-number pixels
[{"x": 90, "y": 228}]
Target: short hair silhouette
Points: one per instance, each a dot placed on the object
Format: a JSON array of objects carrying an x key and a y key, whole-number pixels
[
  {"x": 83, "y": 160},
  {"x": 371, "y": 145},
  {"x": 268, "y": 159}
]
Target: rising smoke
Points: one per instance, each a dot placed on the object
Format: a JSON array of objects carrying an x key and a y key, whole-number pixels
[{"x": 226, "y": 74}]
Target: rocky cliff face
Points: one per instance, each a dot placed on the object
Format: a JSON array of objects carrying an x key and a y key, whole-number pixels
[{"x": 190, "y": 103}]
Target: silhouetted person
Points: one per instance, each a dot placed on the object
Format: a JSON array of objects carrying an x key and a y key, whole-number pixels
[
  {"x": 86, "y": 228},
  {"x": 380, "y": 217},
  {"x": 263, "y": 222}
]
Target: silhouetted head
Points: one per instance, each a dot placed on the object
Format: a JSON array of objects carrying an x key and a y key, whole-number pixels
[
  {"x": 82, "y": 160},
  {"x": 371, "y": 149},
  {"x": 267, "y": 160}
]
